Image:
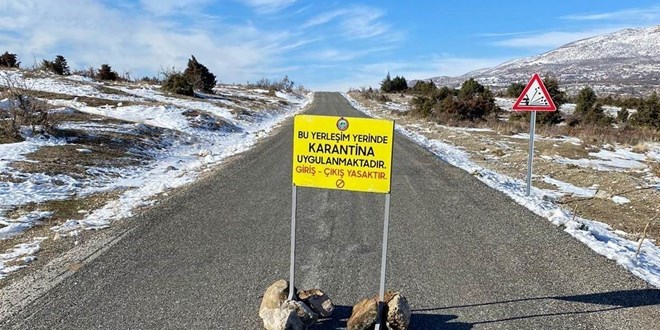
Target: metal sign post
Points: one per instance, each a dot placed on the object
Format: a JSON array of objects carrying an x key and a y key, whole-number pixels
[
  {"x": 532, "y": 128},
  {"x": 534, "y": 97},
  {"x": 353, "y": 154},
  {"x": 292, "y": 267},
  {"x": 383, "y": 261}
]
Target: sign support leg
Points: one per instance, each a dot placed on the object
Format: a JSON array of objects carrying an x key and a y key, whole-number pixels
[
  {"x": 383, "y": 261},
  {"x": 532, "y": 128},
  {"x": 292, "y": 267}
]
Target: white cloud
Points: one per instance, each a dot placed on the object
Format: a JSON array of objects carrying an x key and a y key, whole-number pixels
[
  {"x": 324, "y": 18},
  {"x": 631, "y": 14},
  {"x": 167, "y": 7},
  {"x": 356, "y": 22},
  {"x": 268, "y": 6},
  {"x": 551, "y": 39},
  {"x": 88, "y": 33},
  {"x": 342, "y": 55},
  {"x": 372, "y": 74}
]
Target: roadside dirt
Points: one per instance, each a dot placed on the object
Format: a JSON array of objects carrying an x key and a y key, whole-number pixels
[{"x": 500, "y": 150}]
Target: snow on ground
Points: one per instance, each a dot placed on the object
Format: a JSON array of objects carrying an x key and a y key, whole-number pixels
[
  {"x": 185, "y": 151},
  {"x": 598, "y": 236},
  {"x": 19, "y": 256},
  {"x": 620, "y": 200},
  {"x": 605, "y": 160},
  {"x": 569, "y": 189},
  {"x": 150, "y": 94},
  {"x": 61, "y": 86},
  {"x": 568, "y": 108},
  {"x": 397, "y": 107}
]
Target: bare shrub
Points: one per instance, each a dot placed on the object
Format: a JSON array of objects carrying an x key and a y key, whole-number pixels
[{"x": 24, "y": 110}]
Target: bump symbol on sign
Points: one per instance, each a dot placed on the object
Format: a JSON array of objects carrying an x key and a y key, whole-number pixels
[{"x": 340, "y": 183}]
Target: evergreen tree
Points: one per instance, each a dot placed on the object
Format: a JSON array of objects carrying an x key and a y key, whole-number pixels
[
  {"x": 106, "y": 73},
  {"x": 9, "y": 60},
  {"x": 588, "y": 110},
  {"x": 586, "y": 99},
  {"x": 399, "y": 84},
  {"x": 597, "y": 116},
  {"x": 177, "y": 83},
  {"x": 649, "y": 113},
  {"x": 58, "y": 66},
  {"x": 469, "y": 88},
  {"x": 386, "y": 84},
  {"x": 199, "y": 76},
  {"x": 424, "y": 87},
  {"x": 515, "y": 89}
]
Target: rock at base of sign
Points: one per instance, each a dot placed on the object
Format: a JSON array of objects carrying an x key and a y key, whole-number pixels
[
  {"x": 274, "y": 296},
  {"x": 278, "y": 313},
  {"x": 364, "y": 315},
  {"x": 396, "y": 310},
  {"x": 318, "y": 301}
]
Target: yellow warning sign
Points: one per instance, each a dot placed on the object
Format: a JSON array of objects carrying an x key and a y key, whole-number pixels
[{"x": 342, "y": 153}]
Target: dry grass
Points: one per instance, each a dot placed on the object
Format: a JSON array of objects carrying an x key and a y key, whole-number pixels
[
  {"x": 498, "y": 151},
  {"x": 641, "y": 148},
  {"x": 89, "y": 101},
  {"x": 54, "y": 160},
  {"x": 76, "y": 208}
]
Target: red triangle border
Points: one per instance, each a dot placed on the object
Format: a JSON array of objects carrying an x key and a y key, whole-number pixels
[{"x": 550, "y": 107}]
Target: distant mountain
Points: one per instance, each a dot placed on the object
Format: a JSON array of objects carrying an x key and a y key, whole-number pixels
[{"x": 623, "y": 62}]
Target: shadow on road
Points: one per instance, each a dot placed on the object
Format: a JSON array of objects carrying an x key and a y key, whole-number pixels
[
  {"x": 613, "y": 300},
  {"x": 418, "y": 321},
  {"x": 436, "y": 322},
  {"x": 608, "y": 301},
  {"x": 623, "y": 299}
]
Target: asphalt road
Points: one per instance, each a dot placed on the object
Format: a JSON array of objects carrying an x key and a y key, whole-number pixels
[{"x": 464, "y": 255}]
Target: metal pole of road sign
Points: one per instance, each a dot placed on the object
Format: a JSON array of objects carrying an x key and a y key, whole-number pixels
[
  {"x": 383, "y": 260},
  {"x": 292, "y": 267},
  {"x": 532, "y": 128}
]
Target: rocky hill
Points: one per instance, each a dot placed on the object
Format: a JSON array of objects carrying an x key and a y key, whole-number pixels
[{"x": 623, "y": 62}]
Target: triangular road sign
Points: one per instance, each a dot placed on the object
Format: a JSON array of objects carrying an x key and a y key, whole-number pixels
[{"x": 534, "y": 97}]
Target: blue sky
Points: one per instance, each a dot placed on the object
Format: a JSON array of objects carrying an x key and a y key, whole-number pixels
[{"x": 324, "y": 45}]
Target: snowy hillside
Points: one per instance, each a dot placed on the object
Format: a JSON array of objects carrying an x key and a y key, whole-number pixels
[
  {"x": 114, "y": 148},
  {"x": 626, "y": 61}
]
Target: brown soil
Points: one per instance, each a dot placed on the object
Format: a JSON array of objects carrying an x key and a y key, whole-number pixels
[{"x": 499, "y": 151}]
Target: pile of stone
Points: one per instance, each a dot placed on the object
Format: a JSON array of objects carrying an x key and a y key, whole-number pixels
[
  {"x": 307, "y": 306},
  {"x": 396, "y": 311}
]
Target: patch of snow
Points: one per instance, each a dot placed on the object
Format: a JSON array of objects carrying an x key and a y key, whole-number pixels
[
  {"x": 567, "y": 188},
  {"x": 618, "y": 160},
  {"x": 13, "y": 227},
  {"x": 179, "y": 164},
  {"x": 537, "y": 137},
  {"x": 150, "y": 94},
  {"x": 62, "y": 86},
  {"x": 19, "y": 256},
  {"x": 599, "y": 236},
  {"x": 396, "y": 107},
  {"x": 466, "y": 129},
  {"x": 6, "y": 104},
  {"x": 620, "y": 200},
  {"x": 168, "y": 116}
]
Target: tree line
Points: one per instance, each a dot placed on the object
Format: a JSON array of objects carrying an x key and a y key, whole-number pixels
[{"x": 474, "y": 102}]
